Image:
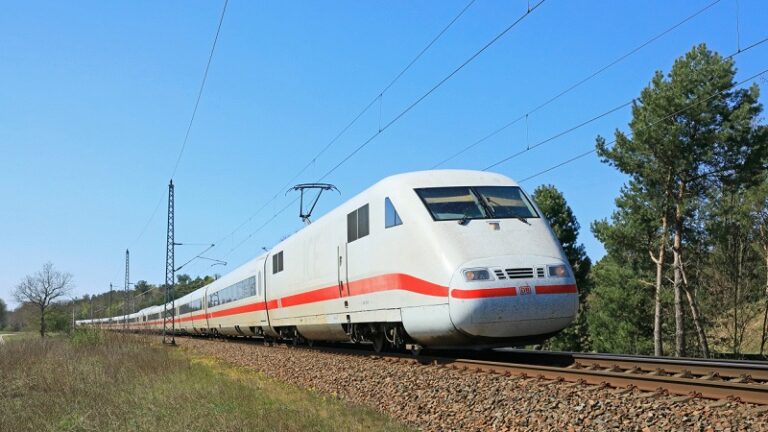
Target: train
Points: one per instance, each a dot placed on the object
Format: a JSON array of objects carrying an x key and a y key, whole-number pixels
[{"x": 444, "y": 259}]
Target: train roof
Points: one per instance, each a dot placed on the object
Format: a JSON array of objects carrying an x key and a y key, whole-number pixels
[{"x": 437, "y": 178}]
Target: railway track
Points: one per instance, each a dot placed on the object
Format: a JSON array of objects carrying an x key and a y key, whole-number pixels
[{"x": 682, "y": 378}]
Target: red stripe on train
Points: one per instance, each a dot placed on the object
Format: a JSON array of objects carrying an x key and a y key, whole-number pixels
[
  {"x": 396, "y": 281},
  {"x": 556, "y": 289},
  {"x": 483, "y": 293},
  {"x": 318, "y": 295}
]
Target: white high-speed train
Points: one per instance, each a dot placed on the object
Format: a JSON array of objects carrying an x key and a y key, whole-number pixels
[{"x": 439, "y": 259}]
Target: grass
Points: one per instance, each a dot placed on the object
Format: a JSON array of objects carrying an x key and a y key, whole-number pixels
[
  {"x": 721, "y": 337},
  {"x": 105, "y": 382},
  {"x": 16, "y": 336}
]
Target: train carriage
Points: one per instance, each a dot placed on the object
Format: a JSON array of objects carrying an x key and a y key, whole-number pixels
[{"x": 235, "y": 303}]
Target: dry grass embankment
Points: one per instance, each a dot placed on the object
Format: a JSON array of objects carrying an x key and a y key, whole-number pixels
[{"x": 106, "y": 382}]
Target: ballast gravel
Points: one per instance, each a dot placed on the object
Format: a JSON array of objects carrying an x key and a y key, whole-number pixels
[{"x": 433, "y": 398}]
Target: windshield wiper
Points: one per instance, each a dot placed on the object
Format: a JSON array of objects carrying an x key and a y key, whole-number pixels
[{"x": 522, "y": 219}]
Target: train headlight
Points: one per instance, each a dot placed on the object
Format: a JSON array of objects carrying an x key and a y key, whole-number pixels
[
  {"x": 472, "y": 275},
  {"x": 559, "y": 270}
]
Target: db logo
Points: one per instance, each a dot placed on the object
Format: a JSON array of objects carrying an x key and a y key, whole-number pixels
[{"x": 524, "y": 290}]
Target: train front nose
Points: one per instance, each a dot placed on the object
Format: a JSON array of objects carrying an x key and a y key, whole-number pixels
[{"x": 513, "y": 297}]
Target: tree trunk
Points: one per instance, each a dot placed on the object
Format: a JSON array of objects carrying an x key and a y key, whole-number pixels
[
  {"x": 764, "y": 237},
  {"x": 681, "y": 284},
  {"x": 703, "y": 344},
  {"x": 42, "y": 321},
  {"x": 678, "y": 274},
  {"x": 658, "y": 347},
  {"x": 737, "y": 293},
  {"x": 765, "y": 314}
]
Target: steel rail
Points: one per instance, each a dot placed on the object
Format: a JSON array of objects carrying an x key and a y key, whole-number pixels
[
  {"x": 727, "y": 369},
  {"x": 750, "y": 392}
]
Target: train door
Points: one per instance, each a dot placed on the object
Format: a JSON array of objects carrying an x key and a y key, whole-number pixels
[
  {"x": 205, "y": 310},
  {"x": 341, "y": 254}
]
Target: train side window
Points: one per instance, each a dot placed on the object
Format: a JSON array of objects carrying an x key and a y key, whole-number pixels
[
  {"x": 357, "y": 224},
  {"x": 362, "y": 221},
  {"x": 391, "y": 217},
  {"x": 352, "y": 227},
  {"x": 277, "y": 262}
]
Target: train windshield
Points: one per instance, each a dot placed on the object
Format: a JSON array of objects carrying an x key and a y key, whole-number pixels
[{"x": 477, "y": 202}]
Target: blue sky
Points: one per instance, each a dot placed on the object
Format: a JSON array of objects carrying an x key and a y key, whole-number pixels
[{"x": 95, "y": 98}]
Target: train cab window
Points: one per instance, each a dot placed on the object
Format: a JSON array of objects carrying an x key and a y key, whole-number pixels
[
  {"x": 357, "y": 224},
  {"x": 506, "y": 202},
  {"x": 391, "y": 217},
  {"x": 477, "y": 202},
  {"x": 277, "y": 262},
  {"x": 452, "y": 203}
]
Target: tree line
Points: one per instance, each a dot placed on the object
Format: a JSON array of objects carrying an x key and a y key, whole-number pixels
[{"x": 45, "y": 305}]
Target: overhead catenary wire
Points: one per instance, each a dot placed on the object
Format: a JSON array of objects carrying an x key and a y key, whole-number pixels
[
  {"x": 394, "y": 120},
  {"x": 152, "y": 215},
  {"x": 435, "y": 87},
  {"x": 352, "y": 122},
  {"x": 560, "y": 134},
  {"x": 587, "y": 153},
  {"x": 577, "y": 84},
  {"x": 189, "y": 125},
  {"x": 200, "y": 91},
  {"x": 274, "y": 216},
  {"x": 573, "y": 128}
]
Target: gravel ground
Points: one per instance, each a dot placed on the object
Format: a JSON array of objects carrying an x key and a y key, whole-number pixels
[{"x": 435, "y": 398}]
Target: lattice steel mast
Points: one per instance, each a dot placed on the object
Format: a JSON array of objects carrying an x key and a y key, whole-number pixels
[
  {"x": 169, "y": 310},
  {"x": 126, "y": 305},
  {"x": 128, "y": 281},
  {"x": 109, "y": 309}
]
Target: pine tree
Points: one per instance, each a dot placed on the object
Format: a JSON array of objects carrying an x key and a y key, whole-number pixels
[{"x": 685, "y": 125}]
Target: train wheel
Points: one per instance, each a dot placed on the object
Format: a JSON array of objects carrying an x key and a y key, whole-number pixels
[{"x": 379, "y": 342}]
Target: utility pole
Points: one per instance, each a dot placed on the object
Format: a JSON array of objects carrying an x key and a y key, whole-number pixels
[
  {"x": 127, "y": 282},
  {"x": 90, "y": 305},
  {"x": 169, "y": 312},
  {"x": 109, "y": 310}
]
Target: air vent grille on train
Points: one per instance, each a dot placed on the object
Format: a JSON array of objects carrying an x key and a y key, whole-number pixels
[
  {"x": 519, "y": 273},
  {"x": 540, "y": 272},
  {"x": 500, "y": 274}
]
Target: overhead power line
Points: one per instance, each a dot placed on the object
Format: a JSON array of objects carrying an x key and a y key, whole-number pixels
[
  {"x": 670, "y": 115},
  {"x": 149, "y": 220},
  {"x": 577, "y": 84},
  {"x": 191, "y": 122},
  {"x": 559, "y": 134},
  {"x": 202, "y": 87},
  {"x": 349, "y": 125},
  {"x": 595, "y": 118},
  {"x": 435, "y": 87},
  {"x": 477, "y": 53},
  {"x": 274, "y": 216},
  {"x": 378, "y": 95}
]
